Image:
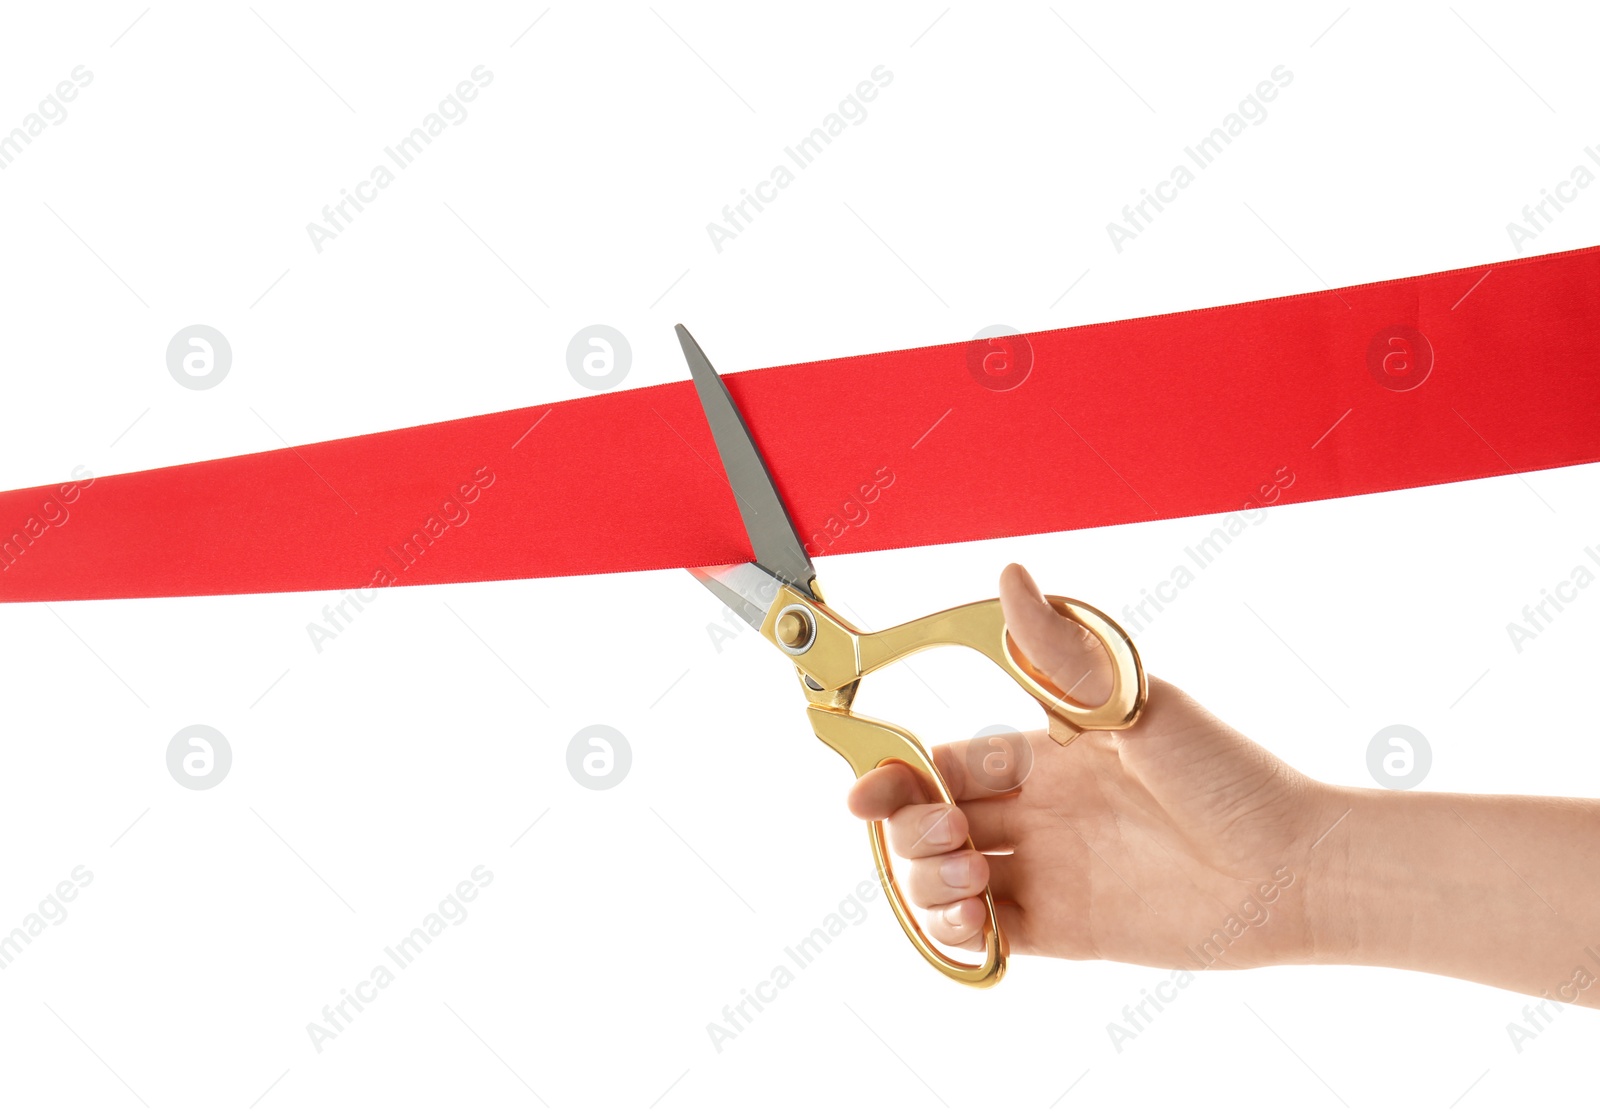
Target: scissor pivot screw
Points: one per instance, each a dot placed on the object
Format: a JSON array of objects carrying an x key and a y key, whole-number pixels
[{"x": 795, "y": 628}]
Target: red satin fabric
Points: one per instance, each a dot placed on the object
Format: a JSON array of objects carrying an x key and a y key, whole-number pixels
[{"x": 1175, "y": 415}]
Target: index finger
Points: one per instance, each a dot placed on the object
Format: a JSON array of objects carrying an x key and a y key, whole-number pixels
[{"x": 995, "y": 762}]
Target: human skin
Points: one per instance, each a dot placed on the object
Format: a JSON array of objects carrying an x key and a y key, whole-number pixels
[{"x": 1137, "y": 846}]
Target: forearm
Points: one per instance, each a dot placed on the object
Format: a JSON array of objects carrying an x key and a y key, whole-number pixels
[{"x": 1498, "y": 889}]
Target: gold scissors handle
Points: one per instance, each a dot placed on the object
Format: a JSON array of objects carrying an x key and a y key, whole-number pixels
[
  {"x": 832, "y": 657},
  {"x": 778, "y": 594},
  {"x": 866, "y": 744},
  {"x": 981, "y": 627}
]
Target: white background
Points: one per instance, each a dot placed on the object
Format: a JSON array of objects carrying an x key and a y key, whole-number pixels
[{"x": 373, "y": 776}]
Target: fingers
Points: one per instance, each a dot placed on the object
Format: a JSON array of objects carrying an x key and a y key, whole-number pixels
[
  {"x": 961, "y": 924},
  {"x": 1065, "y": 652},
  {"x": 925, "y": 830},
  {"x": 942, "y": 876},
  {"x": 933, "y": 881},
  {"x": 992, "y": 824},
  {"x": 941, "y": 869},
  {"x": 976, "y": 769},
  {"x": 958, "y": 924},
  {"x": 884, "y": 790},
  {"x": 954, "y": 913}
]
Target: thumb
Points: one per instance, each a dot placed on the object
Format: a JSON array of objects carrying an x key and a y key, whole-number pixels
[
  {"x": 1065, "y": 652},
  {"x": 1201, "y": 770}
]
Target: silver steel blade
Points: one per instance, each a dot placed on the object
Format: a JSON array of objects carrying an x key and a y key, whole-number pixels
[
  {"x": 776, "y": 544},
  {"x": 743, "y": 587}
]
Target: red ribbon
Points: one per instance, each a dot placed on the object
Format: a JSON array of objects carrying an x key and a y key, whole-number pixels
[{"x": 1420, "y": 381}]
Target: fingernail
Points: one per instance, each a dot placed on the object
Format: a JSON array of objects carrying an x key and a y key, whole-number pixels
[
  {"x": 1031, "y": 586},
  {"x": 953, "y": 916},
  {"x": 939, "y": 832},
  {"x": 956, "y": 871}
]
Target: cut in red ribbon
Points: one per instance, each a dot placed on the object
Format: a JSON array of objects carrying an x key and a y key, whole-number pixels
[{"x": 1421, "y": 381}]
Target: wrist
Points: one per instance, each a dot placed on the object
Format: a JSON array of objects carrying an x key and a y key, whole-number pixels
[
  {"x": 1495, "y": 889},
  {"x": 1358, "y": 872},
  {"x": 1401, "y": 879}
]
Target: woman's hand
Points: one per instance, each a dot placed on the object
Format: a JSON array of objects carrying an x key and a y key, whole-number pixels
[{"x": 1177, "y": 843}]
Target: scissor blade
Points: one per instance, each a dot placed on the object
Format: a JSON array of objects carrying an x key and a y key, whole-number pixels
[
  {"x": 776, "y": 544},
  {"x": 744, "y": 587}
]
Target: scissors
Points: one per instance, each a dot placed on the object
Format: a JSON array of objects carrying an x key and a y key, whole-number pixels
[{"x": 777, "y": 595}]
